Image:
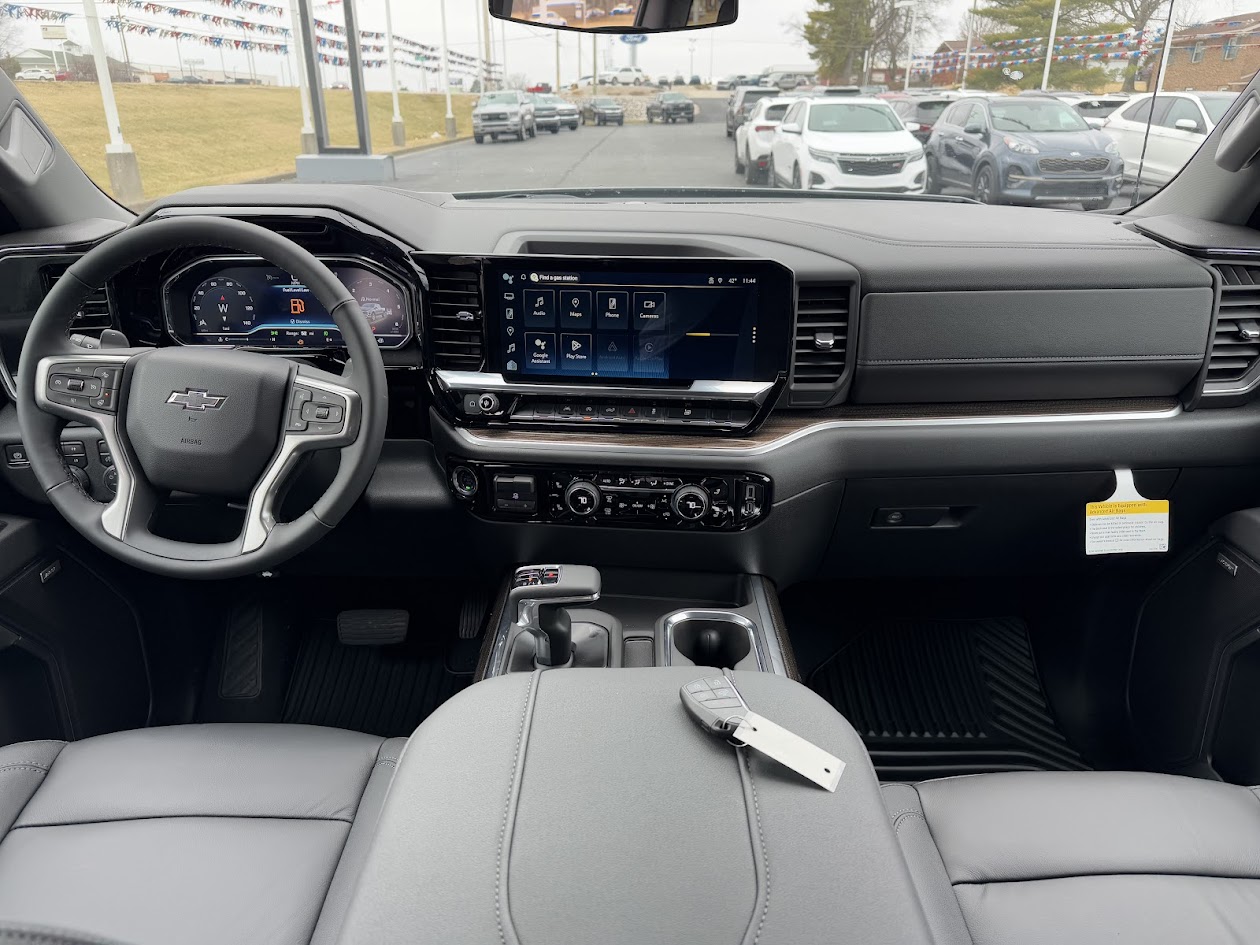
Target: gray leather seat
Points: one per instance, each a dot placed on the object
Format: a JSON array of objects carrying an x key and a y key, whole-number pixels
[
  {"x": 1082, "y": 858},
  {"x": 194, "y": 834}
]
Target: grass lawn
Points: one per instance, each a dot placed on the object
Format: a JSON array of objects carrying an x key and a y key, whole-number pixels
[{"x": 185, "y": 136}]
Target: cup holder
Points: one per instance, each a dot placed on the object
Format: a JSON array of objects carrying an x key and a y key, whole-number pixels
[{"x": 711, "y": 638}]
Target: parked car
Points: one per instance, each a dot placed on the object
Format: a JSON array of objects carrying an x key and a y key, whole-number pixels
[
  {"x": 540, "y": 87},
  {"x": 510, "y": 112},
  {"x": 37, "y": 75},
  {"x": 695, "y": 80},
  {"x": 665, "y": 82},
  {"x": 919, "y": 110},
  {"x": 1179, "y": 122},
  {"x": 1023, "y": 149},
  {"x": 546, "y": 114},
  {"x": 551, "y": 113},
  {"x": 628, "y": 76},
  {"x": 1097, "y": 108},
  {"x": 850, "y": 144},
  {"x": 726, "y": 84},
  {"x": 198, "y": 80},
  {"x": 603, "y": 111},
  {"x": 754, "y": 137},
  {"x": 740, "y": 105},
  {"x": 622, "y": 9},
  {"x": 788, "y": 80},
  {"x": 671, "y": 107},
  {"x": 548, "y": 18}
]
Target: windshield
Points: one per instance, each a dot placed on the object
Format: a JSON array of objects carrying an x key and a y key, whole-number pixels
[
  {"x": 852, "y": 117},
  {"x": 1043, "y": 115},
  {"x": 213, "y": 92}
]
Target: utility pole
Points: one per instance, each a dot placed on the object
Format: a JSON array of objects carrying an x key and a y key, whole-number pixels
[
  {"x": 909, "y": 45},
  {"x": 1168, "y": 43},
  {"x": 971, "y": 24},
  {"x": 179, "y": 58},
  {"x": 1054, "y": 28},
  {"x": 397, "y": 127},
  {"x": 120, "y": 157},
  {"x": 451, "y": 130},
  {"x": 595, "y": 63},
  {"x": 691, "y": 62},
  {"x": 503, "y": 51},
  {"x": 557, "y": 85},
  {"x": 122, "y": 37},
  {"x": 487, "y": 29}
]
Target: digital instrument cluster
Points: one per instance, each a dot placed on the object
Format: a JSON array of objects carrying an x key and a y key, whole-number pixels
[{"x": 229, "y": 302}]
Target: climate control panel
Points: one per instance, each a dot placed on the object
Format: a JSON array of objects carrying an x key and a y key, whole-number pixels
[{"x": 634, "y": 498}]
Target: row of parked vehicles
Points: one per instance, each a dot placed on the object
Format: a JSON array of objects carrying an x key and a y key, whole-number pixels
[
  {"x": 512, "y": 113},
  {"x": 1034, "y": 149}
]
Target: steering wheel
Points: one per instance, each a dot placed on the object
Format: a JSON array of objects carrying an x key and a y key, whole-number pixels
[{"x": 206, "y": 421}]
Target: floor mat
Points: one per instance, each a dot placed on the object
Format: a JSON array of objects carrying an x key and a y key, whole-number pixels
[
  {"x": 935, "y": 698},
  {"x": 382, "y": 690}
]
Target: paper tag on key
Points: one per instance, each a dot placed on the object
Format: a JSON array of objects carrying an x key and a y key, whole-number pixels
[
  {"x": 1128, "y": 522},
  {"x": 717, "y": 707}
]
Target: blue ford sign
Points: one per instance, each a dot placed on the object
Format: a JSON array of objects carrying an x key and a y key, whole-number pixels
[{"x": 633, "y": 39}]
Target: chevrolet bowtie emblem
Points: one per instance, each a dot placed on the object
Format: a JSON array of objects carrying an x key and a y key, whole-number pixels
[{"x": 195, "y": 400}]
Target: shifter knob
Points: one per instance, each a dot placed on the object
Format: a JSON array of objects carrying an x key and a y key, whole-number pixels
[{"x": 536, "y": 597}]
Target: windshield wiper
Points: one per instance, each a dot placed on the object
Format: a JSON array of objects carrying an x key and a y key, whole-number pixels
[{"x": 699, "y": 193}]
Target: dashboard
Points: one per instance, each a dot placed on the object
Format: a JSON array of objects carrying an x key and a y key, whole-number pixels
[
  {"x": 782, "y": 369},
  {"x": 228, "y": 301}
]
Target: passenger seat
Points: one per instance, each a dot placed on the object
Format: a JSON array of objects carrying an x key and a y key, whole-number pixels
[
  {"x": 1077, "y": 858},
  {"x": 196, "y": 834}
]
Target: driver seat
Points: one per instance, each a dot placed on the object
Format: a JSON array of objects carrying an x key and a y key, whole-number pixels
[{"x": 197, "y": 834}]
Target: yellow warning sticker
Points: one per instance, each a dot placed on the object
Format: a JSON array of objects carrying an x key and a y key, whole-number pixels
[{"x": 1127, "y": 523}]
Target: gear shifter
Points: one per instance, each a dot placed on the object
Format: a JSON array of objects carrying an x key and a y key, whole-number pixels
[{"x": 537, "y": 597}]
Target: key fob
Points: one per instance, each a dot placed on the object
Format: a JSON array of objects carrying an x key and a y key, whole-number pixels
[{"x": 714, "y": 704}]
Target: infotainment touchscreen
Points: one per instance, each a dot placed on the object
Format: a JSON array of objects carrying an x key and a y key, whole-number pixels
[{"x": 641, "y": 320}]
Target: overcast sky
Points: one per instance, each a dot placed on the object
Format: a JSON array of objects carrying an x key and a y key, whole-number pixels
[{"x": 765, "y": 35}]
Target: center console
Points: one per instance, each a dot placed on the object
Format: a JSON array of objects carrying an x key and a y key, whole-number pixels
[{"x": 696, "y": 345}]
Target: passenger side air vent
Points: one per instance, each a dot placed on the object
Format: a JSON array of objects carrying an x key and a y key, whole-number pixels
[
  {"x": 1236, "y": 344},
  {"x": 96, "y": 314},
  {"x": 455, "y": 320},
  {"x": 820, "y": 353}
]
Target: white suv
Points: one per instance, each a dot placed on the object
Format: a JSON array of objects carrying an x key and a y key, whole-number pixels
[
  {"x": 846, "y": 144},
  {"x": 755, "y": 136},
  {"x": 628, "y": 76},
  {"x": 1179, "y": 122},
  {"x": 38, "y": 75}
]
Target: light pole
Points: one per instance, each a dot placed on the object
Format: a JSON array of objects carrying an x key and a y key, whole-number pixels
[
  {"x": 691, "y": 62},
  {"x": 908, "y": 5},
  {"x": 451, "y": 130},
  {"x": 120, "y": 157},
  {"x": 971, "y": 24},
  {"x": 1054, "y": 27},
  {"x": 557, "y": 87},
  {"x": 397, "y": 128}
]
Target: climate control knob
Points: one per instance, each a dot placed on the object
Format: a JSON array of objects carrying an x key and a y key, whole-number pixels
[
  {"x": 582, "y": 498},
  {"x": 691, "y": 503}
]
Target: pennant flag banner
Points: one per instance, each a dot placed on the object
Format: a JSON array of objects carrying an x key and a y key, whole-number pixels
[
  {"x": 249, "y": 6},
  {"x": 15, "y": 11},
  {"x": 212, "y": 19},
  {"x": 1102, "y": 37},
  {"x": 206, "y": 39}
]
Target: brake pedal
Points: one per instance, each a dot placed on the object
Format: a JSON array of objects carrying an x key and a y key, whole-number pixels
[{"x": 372, "y": 627}]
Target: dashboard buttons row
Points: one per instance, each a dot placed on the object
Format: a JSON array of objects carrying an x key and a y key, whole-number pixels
[{"x": 625, "y": 412}]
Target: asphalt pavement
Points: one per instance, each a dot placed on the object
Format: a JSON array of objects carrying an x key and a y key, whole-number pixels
[{"x": 636, "y": 155}]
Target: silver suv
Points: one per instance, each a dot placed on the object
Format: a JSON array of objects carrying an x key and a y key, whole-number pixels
[{"x": 510, "y": 112}]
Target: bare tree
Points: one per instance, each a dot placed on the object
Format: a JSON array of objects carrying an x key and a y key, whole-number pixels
[{"x": 12, "y": 36}]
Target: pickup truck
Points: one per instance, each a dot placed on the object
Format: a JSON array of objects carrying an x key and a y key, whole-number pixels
[{"x": 671, "y": 107}]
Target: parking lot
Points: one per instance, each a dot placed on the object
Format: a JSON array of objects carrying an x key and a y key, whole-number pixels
[{"x": 636, "y": 155}]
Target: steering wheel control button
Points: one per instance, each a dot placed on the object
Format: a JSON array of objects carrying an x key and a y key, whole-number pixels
[
  {"x": 516, "y": 493},
  {"x": 111, "y": 480},
  {"x": 296, "y": 424},
  {"x": 16, "y": 456},
  {"x": 110, "y": 376},
  {"x": 106, "y": 400}
]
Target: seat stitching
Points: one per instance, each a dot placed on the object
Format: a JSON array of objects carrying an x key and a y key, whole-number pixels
[
  {"x": 17, "y": 816},
  {"x": 761, "y": 837},
  {"x": 903, "y": 816},
  {"x": 1047, "y": 879},
  {"x": 507, "y": 807},
  {"x": 31, "y": 765},
  {"x": 128, "y": 820}
]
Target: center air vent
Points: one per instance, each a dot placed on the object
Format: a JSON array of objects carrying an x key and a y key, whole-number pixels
[
  {"x": 95, "y": 315},
  {"x": 455, "y": 321},
  {"x": 820, "y": 353},
  {"x": 1236, "y": 344}
]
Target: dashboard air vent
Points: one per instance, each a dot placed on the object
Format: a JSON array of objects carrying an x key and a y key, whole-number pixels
[
  {"x": 96, "y": 314},
  {"x": 455, "y": 320},
  {"x": 1236, "y": 344},
  {"x": 822, "y": 335}
]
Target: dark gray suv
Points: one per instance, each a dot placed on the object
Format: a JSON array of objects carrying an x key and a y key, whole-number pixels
[{"x": 1024, "y": 150}]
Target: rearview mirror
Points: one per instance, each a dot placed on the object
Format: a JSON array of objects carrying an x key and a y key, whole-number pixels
[
  {"x": 1186, "y": 124},
  {"x": 618, "y": 16},
  {"x": 791, "y": 128}
]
